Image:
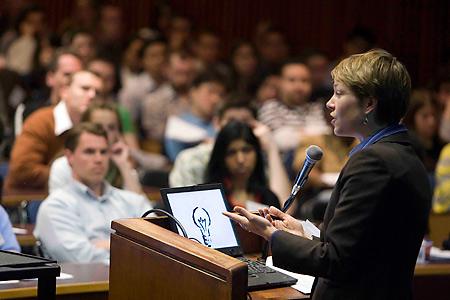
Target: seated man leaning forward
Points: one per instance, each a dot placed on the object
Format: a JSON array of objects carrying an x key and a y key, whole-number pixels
[{"x": 74, "y": 222}]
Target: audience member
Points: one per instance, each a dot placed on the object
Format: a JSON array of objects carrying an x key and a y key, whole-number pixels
[
  {"x": 318, "y": 63},
  {"x": 441, "y": 198},
  {"x": 163, "y": 17},
  {"x": 121, "y": 173},
  {"x": 237, "y": 162},
  {"x": 62, "y": 65},
  {"x": 21, "y": 49},
  {"x": 170, "y": 98},
  {"x": 264, "y": 86},
  {"x": 83, "y": 15},
  {"x": 274, "y": 48},
  {"x": 130, "y": 66},
  {"x": 422, "y": 124},
  {"x": 244, "y": 64},
  {"x": 153, "y": 55},
  {"x": 110, "y": 32},
  {"x": 107, "y": 70},
  {"x": 292, "y": 117},
  {"x": 8, "y": 240},
  {"x": 206, "y": 48},
  {"x": 83, "y": 43},
  {"x": 74, "y": 222},
  {"x": 441, "y": 94},
  {"x": 12, "y": 94},
  {"x": 195, "y": 125},
  {"x": 43, "y": 132},
  {"x": 180, "y": 33},
  {"x": 190, "y": 165}
]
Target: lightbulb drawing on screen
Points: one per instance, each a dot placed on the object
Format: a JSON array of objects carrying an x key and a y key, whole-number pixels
[{"x": 203, "y": 221}]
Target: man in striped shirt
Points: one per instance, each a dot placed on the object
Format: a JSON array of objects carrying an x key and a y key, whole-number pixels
[{"x": 292, "y": 117}]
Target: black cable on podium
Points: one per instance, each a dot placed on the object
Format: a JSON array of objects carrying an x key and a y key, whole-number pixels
[{"x": 157, "y": 210}]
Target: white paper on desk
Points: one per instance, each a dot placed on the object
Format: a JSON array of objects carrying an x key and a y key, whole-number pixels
[
  {"x": 19, "y": 230},
  {"x": 310, "y": 228},
  {"x": 304, "y": 283},
  {"x": 9, "y": 281},
  {"x": 62, "y": 276},
  {"x": 438, "y": 253}
]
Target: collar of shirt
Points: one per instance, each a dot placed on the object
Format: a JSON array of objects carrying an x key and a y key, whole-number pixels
[
  {"x": 84, "y": 190},
  {"x": 378, "y": 136},
  {"x": 62, "y": 118}
]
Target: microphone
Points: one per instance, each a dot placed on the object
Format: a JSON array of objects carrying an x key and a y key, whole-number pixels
[{"x": 313, "y": 155}]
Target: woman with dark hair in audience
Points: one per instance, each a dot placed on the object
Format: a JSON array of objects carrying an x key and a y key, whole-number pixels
[
  {"x": 422, "y": 123},
  {"x": 237, "y": 162},
  {"x": 244, "y": 63}
]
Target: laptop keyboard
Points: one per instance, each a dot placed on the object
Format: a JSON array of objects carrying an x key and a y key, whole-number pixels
[{"x": 255, "y": 267}]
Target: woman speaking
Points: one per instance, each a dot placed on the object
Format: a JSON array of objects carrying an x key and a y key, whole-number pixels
[{"x": 378, "y": 211}]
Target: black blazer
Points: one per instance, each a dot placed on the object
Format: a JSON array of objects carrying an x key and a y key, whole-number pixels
[{"x": 372, "y": 229}]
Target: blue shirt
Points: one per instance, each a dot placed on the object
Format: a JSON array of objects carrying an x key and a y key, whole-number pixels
[
  {"x": 378, "y": 136},
  {"x": 8, "y": 239},
  {"x": 71, "y": 219}
]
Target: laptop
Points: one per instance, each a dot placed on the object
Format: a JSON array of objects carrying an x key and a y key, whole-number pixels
[{"x": 199, "y": 209}]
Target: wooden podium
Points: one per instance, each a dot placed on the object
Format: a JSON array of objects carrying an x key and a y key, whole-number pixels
[{"x": 150, "y": 262}]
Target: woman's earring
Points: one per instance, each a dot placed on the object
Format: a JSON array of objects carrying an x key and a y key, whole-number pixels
[{"x": 366, "y": 121}]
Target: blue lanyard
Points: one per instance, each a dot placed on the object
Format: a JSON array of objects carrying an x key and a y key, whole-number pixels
[{"x": 378, "y": 136}]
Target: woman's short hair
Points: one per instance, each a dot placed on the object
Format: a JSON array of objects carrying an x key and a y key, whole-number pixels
[
  {"x": 217, "y": 170},
  {"x": 101, "y": 104},
  {"x": 380, "y": 75}
]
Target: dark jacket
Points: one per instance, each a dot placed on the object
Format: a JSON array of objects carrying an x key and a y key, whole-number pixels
[{"x": 372, "y": 229}]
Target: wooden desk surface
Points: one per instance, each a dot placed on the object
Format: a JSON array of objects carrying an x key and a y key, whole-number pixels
[
  {"x": 92, "y": 279},
  {"x": 13, "y": 197},
  {"x": 88, "y": 278},
  {"x": 433, "y": 268},
  {"x": 28, "y": 238}
]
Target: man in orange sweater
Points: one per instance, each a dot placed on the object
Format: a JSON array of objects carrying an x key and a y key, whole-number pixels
[{"x": 42, "y": 137}]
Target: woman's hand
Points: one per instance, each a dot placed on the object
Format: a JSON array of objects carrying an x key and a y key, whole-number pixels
[
  {"x": 263, "y": 134},
  {"x": 120, "y": 154},
  {"x": 252, "y": 222},
  {"x": 286, "y": 222}
]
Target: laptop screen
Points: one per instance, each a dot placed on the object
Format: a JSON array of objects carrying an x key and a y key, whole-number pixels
[{"x": 199, "y": 209}]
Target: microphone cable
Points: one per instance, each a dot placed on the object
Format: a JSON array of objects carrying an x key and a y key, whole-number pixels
[{"x": 157, "y": 210}]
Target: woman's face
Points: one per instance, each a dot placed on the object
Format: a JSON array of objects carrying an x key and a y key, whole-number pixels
[
  {"x": 346, "y": 111},
  {"x": 425, "y": 122},
  {"x": 240, "y": 159},
  {"x": 268, "y": 89},
  {"x": 108, "y": 120},
  {"x": 244, "y": 60}
]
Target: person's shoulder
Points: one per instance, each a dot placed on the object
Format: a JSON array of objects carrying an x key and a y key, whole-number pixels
[
  {"x": 63, "y": 197},
  {"x": 44, "y": 114},
  {"x": 200, "y": 149},
  {"x": 271, "y": 103},
  {"x": 125, "y": 195}
]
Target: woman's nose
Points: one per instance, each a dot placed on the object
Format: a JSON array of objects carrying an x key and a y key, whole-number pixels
[
  {"x": 240, "y": 157},
  {"x": 330, "y": 103}
]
